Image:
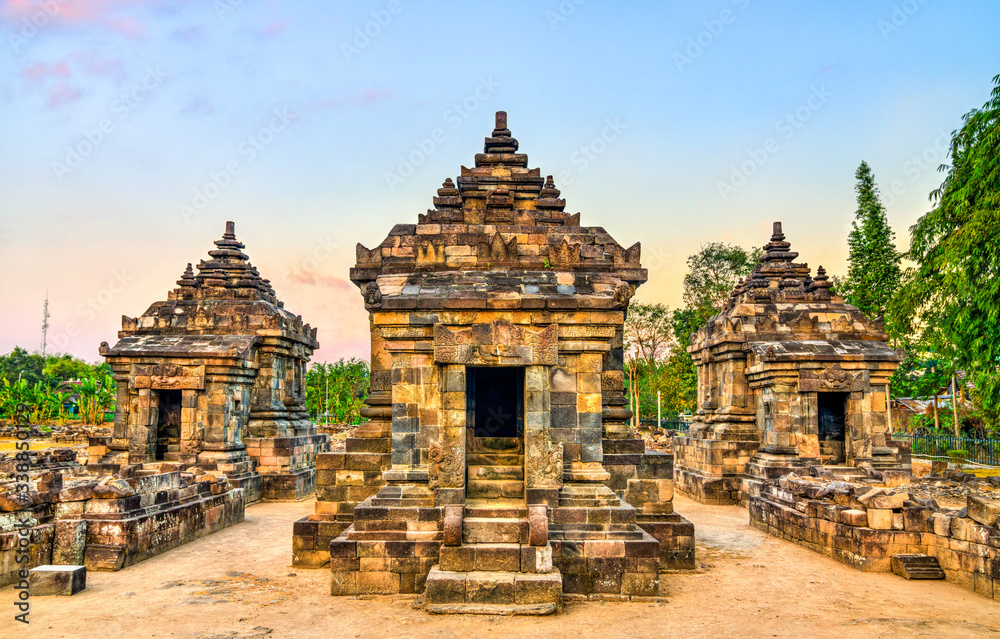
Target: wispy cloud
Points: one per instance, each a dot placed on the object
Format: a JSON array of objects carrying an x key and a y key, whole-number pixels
[
  {"x": 41, "y": 72},
  {"x": 106, "y": 14},
  {"x": 61, "y": 94},
  {"x": 315, "y": 278},
  {"x": 274, "y": 29},
  {"x": 364, "y": 98}
]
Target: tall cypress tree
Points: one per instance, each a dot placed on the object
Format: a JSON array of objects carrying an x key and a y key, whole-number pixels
[{"x": 873, "y": 272}]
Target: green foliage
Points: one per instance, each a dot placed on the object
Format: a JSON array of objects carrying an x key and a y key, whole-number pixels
[
  {"x": 35, "y": 384},
  {"x": 958, "y": 457},
  {"x": 873, "y": 271},
  {"x": 656, "y": 337},
  {"x": 948, "y": 301},
  {"x": 345, "y": 383},
  {"x": 97, "y": 397},
  {"x": 713, "y": 272}
]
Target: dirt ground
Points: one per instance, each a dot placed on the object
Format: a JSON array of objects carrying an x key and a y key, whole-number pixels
[{"x": 238, "y": 584}]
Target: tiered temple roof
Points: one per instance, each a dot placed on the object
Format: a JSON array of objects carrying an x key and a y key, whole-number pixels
[
  {"x": 227, "y": 298},
  {"x": 500, "y": 218},
  {"x": 782, "y": 301}
]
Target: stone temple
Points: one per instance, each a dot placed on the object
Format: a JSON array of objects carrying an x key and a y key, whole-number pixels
[
  {"x": 214, "y": 377},
  {"x": 497, "y": 470},
  {"x": 789, "y": 377}
]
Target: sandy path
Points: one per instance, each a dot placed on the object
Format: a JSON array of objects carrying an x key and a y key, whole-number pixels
[{"x": 237, "y": 584}]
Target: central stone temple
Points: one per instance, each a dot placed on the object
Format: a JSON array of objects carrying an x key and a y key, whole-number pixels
[{"x": 497, "y": 470}]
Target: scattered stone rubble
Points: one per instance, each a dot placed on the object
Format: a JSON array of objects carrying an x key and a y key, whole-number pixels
[
  {"x": 864, "y": 520},
  {"x": 110, "y": 521}
]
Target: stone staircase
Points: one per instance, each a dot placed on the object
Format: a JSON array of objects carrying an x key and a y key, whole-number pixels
[
  {"x": 917, "y": 567},
  {"x": 495, "y": 476},
  {"x": 496, "y": 558}
]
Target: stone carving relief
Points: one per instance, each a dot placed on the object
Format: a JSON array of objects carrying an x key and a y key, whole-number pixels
[
  {"x": 366, "y": 256},
  {"x": 497, "y": 343},
  {"x": 373, "y": 295},
  {"x": 445, "y": 467},
  {"x": 626, "y": 258},
  {"x": 543, "y": 461},
  {"x": 565, "y": 254}
]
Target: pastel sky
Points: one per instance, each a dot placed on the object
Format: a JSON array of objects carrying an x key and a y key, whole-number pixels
[{"x": 132, "y": 130}]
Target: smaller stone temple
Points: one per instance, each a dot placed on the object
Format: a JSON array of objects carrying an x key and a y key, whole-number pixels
[
  {"x": 214, "y": 377},
  {"x": 789, "y": 376}
]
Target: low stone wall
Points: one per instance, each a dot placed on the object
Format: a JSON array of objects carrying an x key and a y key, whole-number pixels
[
  {"x": 344, "y": 479},
  {"x": 285, "y": 464},
  {"x": 710, "y": 470},
  {"x": 69, "y": 516},
  {"x": 863, "y": 528}
]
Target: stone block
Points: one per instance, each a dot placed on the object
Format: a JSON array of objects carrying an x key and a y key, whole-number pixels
[
  {"x": 982, "y": 510},
  {"x": 880, "y": 519},
  {"x": 69, "y": 542},
  {"x": 490, "y": 588},
  {"x": 56, "y": 580}
]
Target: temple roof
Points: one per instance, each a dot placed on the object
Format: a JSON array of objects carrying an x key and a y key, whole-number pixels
[
  {"x": 227, "y": 298},
  {"x": 782, "y": 302},
  {"x": 498, "y": 217}
]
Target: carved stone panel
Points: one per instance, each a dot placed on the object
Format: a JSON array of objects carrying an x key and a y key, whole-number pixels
[{"x": 498, "y": 343}]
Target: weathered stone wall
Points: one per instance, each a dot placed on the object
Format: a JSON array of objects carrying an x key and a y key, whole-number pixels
[{"x": 865, "y": 529}]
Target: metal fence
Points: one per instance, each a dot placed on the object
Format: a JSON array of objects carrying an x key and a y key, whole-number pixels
[{"x": 978, "y": 451}]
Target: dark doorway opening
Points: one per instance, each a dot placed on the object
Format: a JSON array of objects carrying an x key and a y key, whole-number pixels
[
  {"x": 832, "y": 427},
  {"x": 168, "y": 425},
  {"x": 495, "y": 401}
]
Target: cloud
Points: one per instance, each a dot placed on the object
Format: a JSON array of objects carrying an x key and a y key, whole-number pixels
[
  {"x": 105, "y": 14},
  {"x": 365, "y": 98},
  {"x": 62, "y": 94},
  {"x": 311, "y": 277},
  {"x": 94, "y": 64},
  {"x": 188, "y": 34},
  {"x": 274, "y": 29},
  {"x": 40, "y": 72}
]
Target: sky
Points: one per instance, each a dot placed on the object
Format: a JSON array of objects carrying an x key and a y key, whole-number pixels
[{"x": 133, "y": 130}]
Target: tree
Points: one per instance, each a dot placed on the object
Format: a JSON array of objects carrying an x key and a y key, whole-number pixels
[
  {"x": 873, "y": 271},
  {"x": 648, "y": 338},
  {"x": 338, "y": 390},
  {"x": 949, "y": 300}
]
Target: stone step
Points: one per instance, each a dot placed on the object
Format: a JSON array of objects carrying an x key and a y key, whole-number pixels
[
  {"x": 495, "y": 459},
  {"x": 509, "y": 508},
  {"x": 482, "y": 557},
  {"x": 496, "y": 472},
  {"x": 917, "y": 566},
  {"x": 486, "y": 530},
  {"x": 495, "y": 489},
  {"x": 493, "y": 593}
]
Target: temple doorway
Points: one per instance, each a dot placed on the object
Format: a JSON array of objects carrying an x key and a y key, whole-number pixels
[
  {"x": 832, "y": 427},
  {"x": 495, "y": 432},
  {"x": 168, "y": 425}
]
